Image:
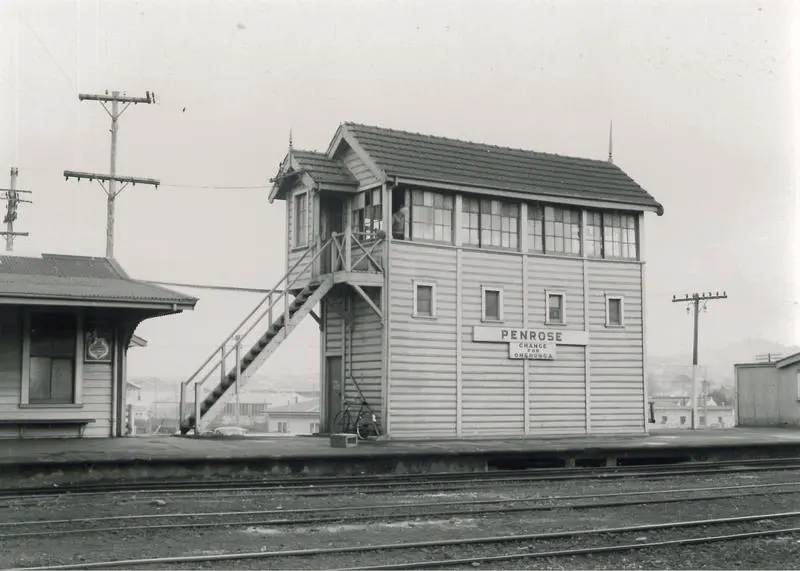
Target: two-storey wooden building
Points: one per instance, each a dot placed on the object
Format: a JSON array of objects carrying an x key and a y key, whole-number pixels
[{"x": 464, "y": 289}]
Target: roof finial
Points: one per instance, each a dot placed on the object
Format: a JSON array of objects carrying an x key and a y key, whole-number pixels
[
  {"x": 611, "y": 142},
  {"x": 290, "y": 140}
]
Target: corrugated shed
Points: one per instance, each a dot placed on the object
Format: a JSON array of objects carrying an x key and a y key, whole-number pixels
[
  {"x": 439, "y": 159},
  {"x": 79, "y": 278}
]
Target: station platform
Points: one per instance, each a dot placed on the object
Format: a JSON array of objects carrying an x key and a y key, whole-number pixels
[{"x": 38, "y": 462}]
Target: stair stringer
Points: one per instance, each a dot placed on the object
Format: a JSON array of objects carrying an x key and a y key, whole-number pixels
[{"x": 274, "y": 343}]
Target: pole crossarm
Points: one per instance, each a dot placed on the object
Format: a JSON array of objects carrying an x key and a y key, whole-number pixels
[
  {"x": 150, "y": 98},
  {"x": 14, "y": 234},
  {"x": 700, "y": 297},
  {"x": 107, "y": 177}
]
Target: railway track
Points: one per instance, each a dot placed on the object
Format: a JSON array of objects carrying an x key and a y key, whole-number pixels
[
  {"x": 386, "y": 511},
  {"x": 451, "y": 551},
  {"x": 377, "y": 484}
]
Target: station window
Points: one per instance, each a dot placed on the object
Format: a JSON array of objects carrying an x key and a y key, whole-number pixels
[
  {"x": 555, "y": 308},
  {"x": 52, "y": 358},
  {"x": 490, "y": 223},
  {"x": 663, "y": 420},
  {"x": 367, "y": 212},
  {"x": 611, "y": 235},
  {"x": 431, "y": 216},
  {"x": 491, "y": 304},
  {"x": 424, "y": 299},
  {"x": 615, "y": 311},
  {"x": 301, "y": 219},
  {"x": 683, "y": 420},
  {"x": 554, "y": 229},
  {"x": 798, "y": 385}
]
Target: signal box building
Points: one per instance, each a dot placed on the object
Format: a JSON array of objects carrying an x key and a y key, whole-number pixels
[{"x": 464, "y": 290}]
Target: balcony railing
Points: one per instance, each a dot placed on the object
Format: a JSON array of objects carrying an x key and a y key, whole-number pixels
[{"x": 353, "y": 252}]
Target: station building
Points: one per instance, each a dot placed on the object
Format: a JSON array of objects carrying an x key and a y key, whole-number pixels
[
  {"x": 66, "y": 323},
  {"x": 464, "y": 289}
]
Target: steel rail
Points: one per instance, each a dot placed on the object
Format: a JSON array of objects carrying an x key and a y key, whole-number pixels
[
  {"x": 428, "y": 564},
  {"x": 382, "y": 482},
  {"x": 372, "y": 516},
  {"x": 458, "y": 542}
]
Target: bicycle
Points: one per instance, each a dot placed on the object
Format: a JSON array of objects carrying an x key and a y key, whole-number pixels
[{"x": 364, "y": 424}]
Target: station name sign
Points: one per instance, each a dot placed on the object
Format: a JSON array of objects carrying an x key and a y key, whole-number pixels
[
  {"x": 510, "y": 334},
  {"x": 527, "y": 343}
]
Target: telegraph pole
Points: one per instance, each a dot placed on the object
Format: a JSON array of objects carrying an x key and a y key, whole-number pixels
[
  {"x": 694, "y": 301},
  {"x": 12, "y": 200},
  {"x": 112, "y": 179}
]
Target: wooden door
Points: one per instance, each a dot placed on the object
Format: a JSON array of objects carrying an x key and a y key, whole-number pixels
[{"x": 333, "y": 383}]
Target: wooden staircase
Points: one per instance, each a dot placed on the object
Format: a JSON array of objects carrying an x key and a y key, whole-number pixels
[{"x": 251, "y": 361}]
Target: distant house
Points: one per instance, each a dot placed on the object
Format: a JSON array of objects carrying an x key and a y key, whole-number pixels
[
  {"x": 768, "y": 393},
  {"x": 299, "y": 417},
  {"x": 676, "y": 412},
  {"x": 66, "y": 323}
]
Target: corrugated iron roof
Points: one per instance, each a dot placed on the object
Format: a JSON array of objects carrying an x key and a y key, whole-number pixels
[
  {"x": 438, "y": 159},
  {"x": 79, "y": 278},
  {"x": 324, "y": 170}
]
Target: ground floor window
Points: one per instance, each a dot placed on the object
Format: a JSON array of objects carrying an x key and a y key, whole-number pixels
[
  {"x": 424, "y": 299},
  {"x": 614, "y": 311},
  {"x": 491, "y": 304},
  {"x": 555, "y": 308},
  {"x": 52, "y": 356}
]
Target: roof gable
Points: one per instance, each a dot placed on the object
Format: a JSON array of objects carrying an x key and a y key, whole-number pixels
[
  {"x": 313, "y": 168},
  {"x": 428, "y": 158}
]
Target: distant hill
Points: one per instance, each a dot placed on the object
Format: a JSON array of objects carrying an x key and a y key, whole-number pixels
[{"x": 717, "y": 362}]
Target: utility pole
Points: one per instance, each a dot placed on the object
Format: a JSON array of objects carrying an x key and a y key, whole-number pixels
[
  {"x": 694, "y": 302},
  {"x": 111, "y": 192},
  {"x": 12, "y": 200}
]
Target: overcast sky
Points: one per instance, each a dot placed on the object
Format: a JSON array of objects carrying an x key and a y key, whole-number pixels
[{"x": 703, "y": 96}]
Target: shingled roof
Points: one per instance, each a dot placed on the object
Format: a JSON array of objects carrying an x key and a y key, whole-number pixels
[
  {"x": 324, "y": 170},
  {"x": 434, "y": 159},
  {"x": 95, "y": 281}
]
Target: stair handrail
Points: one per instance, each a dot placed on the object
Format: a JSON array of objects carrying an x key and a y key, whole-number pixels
[{"x": 221, "y": 348}]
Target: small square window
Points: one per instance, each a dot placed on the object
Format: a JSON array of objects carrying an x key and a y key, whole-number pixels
[
  {"x": 663, "y": 420},
  {"x": 683, "y": 420},
  {"x": 424, "y": 300},
  {"x": 614, "y": 311},
  {"x": 492, "y": 303},
  {"x": 555, "y": 310}
]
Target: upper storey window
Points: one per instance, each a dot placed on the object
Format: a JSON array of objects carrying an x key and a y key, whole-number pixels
[
  {"x": 554, "y": 229},
  {"x": 368, "y": 212},
  {"x": 431, "y": 216},
  {"x": 301, "y": 219},
  {"x": 611, "y": 235},
  {"x": 490, "y": 223}
]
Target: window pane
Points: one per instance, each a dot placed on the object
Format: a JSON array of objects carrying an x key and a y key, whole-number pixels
[
  {"x": 614, "y": 312},
  {"x": 556, "y": 310},
  {"x": 62, "y": 385},
  {"x": 40, "y": 379},
  {"x": 492, "y": 305},
  {"x": 424, "y": 300}
]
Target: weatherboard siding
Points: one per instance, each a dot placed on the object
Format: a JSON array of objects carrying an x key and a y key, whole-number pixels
[
  {"x": 358, "y": 168},
  {"x": 332, "y": 326},
  {"x": 557, "y": 393},
  {"x": 96, "y": 390},
  {"x": 492, "y": 384},
  {"x": 422, "y": 393},
  {"x": 364, "y": 355},
  {"x": 617, "y": 384}
]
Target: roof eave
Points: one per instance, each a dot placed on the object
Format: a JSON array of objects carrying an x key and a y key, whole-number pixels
[
  {"x": 460, "y": 186},
  {"x": 170, "y": 306}
]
